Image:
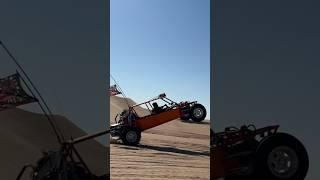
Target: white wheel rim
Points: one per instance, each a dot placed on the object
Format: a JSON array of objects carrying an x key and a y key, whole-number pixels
[
  {"x": 283, "y": 162},
  {"x": 198, "y": 112},
  {"x": 131, "y": 136}
]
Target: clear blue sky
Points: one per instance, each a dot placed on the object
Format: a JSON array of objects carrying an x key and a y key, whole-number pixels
[{"x": 161, "y": 46}]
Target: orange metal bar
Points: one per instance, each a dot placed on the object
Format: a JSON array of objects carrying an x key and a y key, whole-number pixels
[{"x": 157, "y": 119}]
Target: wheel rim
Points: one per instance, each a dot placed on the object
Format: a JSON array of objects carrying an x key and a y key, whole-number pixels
[
  {"x": 283, "y": 162},
  {"x": 198, "y": 112},
  {"x": 131, "y": 136}
]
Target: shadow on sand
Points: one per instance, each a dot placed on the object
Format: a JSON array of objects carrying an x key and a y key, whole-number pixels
[
  {"x": 172, "y": 150},
  {"x": 192, "y": 122}
]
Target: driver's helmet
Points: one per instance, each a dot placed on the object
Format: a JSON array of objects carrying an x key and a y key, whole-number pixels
[{"x": 155, "y": 105}]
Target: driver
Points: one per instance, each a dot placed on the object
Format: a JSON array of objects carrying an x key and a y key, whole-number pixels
[{"x": 156, "y": 108}]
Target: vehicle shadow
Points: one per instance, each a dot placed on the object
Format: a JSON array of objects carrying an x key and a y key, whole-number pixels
[
  {"x": 192, "y": 122},
  {"x": 174, "y": 150}
]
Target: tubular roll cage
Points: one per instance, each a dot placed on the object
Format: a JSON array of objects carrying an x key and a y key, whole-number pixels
[{"x": 148, "y": 103}]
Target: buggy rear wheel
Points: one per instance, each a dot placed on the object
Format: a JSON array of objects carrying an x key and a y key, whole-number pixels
[
  {"x": 131, "y": 136},
  {"x": 281, "y": 157},
  {"x": 198, "y": 113}
]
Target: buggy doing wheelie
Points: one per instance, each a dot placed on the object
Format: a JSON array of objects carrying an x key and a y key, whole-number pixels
[{"x": 136, "y": 119}]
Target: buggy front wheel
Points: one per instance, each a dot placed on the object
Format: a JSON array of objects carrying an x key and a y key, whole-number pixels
[{"x": 198, "y": 113}]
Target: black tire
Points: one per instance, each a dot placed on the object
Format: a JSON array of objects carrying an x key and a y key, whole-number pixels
[
  {"x": 131, "y": 136},
  {"x": 278, "y": 150},
  {"x": 198, "y": 113}
]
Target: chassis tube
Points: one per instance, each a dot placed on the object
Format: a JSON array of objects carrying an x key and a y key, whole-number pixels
[{"x": 84, "y": 138}]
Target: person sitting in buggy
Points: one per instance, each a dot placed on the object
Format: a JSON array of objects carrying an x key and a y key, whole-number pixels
[{"x": 156, "y": 109}]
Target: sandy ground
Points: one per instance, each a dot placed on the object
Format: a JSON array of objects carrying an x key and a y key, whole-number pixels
[
  {"x": 23, "y": 135},
  {"x": 175, "y": 150}
]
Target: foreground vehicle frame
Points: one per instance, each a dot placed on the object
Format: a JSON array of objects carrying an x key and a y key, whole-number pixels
[
  {"x": 65, "y": 164},
  {"x": 264, "y": 154}
]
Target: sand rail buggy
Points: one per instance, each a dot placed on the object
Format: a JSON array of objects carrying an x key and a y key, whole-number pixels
[
  {"x": 251, "y": 154},
  {"x": 129, "y": 124}
]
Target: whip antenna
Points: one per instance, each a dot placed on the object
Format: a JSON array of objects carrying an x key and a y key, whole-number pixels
[{"x": 48, "y": 115}]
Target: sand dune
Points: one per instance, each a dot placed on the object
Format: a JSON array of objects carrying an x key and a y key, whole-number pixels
[
  {"x": 23, "y": 135},
  {"x": 118, "y": 104},
  {"x": 175, "y": 150}
]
